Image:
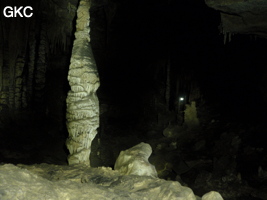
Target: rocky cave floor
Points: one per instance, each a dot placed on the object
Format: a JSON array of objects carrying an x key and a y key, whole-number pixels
[{"x": 227, "y": 157}]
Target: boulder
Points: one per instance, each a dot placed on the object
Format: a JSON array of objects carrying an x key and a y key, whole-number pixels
[
  {"x": 134, "y": 161},
  {"x": 212, "y": 196}
]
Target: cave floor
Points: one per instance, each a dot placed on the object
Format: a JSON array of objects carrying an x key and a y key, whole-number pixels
[{"x": 230, "y": 158}]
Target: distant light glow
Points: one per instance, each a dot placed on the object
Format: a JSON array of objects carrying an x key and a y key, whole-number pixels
[{"x": 181, "y": 98}]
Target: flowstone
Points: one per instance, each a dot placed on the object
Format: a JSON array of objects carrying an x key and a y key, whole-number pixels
[
  {"x": 80, "y": 182},
  {"x": 134, "y": 161},
  {"x": 212, "y": 196}
]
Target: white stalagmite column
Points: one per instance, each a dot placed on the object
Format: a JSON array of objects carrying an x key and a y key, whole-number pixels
[{"x": 82, "y": 102}]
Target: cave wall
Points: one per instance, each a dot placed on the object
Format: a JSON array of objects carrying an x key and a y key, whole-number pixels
[
  {"x": 34, "y": 59},
  {"x": 241, "y": 17},
  {"x": 243, "y": 25}
]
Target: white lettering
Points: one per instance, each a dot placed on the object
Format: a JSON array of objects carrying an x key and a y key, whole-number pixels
[
  {"x": 17, "y": 11},
  {"x": 8, "y": 13},
  {"x": 24, "y": 11},
  {"x": 20, "y": 11}
]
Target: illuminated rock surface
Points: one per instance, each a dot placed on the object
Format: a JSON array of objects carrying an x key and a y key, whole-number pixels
[
  {"x": 79, "y": 182},
  {"x": 134, "y": 161}
]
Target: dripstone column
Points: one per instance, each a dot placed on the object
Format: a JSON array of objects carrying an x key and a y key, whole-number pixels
[{"x": 82, "y": 102}]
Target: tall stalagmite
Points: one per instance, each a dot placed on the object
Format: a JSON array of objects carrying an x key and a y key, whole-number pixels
[{"x": 82, "y": 102}]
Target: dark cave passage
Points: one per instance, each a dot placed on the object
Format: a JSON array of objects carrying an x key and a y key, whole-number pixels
[{"x": 148, "y": 55}]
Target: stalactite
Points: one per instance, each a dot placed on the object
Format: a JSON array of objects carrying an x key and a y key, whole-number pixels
[
  {"x": 14, "y": 43},
  {"x": 40, "y": 71},
  {"x": 1, "y": 60},
  {"x": 23, "y": 51},
  {"x": 20, "y": 64},
  {"x": 82, "y": 102},
  {"x": 61, "y": 28},
  {"x": 5, "y": 71},
  {"x": 168, "y": 83},
  {"x": 177, "y": 94},
  {"x": 227, "y": 36},
  {"x": 18, "y": 37},
  {"x": 13, "y": 54},
  {"x": 31, "y": 63},
  {"x": 24, "y": 102}
]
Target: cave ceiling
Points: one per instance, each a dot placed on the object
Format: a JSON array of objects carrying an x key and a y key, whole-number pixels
[{"x": 241, "y": 16}]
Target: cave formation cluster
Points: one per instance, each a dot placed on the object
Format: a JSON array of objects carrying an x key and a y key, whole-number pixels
[
  {"x": 48, "y": 71},
  {"x": 27, "y": 48}
]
